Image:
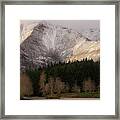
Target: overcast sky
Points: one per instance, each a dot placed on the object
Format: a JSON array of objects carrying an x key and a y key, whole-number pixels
[{"x": 78, "y": 25}]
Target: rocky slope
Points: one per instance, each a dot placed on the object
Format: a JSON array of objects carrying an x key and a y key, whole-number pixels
[
  {"x": 43, "y": 43},
  {"x": 92, "y": 34},
  {"x": 26, "y": 29}
]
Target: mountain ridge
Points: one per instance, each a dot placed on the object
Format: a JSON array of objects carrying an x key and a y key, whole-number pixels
[{"x": 46, "y": 43}]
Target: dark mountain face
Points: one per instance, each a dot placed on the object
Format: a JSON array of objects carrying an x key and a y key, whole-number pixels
[{"x": 49, "y": 43}]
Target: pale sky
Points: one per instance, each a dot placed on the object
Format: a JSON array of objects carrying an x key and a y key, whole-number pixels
[{"x": 78, "y": 25}]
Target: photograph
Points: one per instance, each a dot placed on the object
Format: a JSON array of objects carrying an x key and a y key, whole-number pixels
[
  {"x": 59, "y": 59},
  {"x": 60, "y": 63}
]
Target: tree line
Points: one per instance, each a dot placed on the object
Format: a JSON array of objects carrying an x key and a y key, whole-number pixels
[{"x": 71, "y": 73}]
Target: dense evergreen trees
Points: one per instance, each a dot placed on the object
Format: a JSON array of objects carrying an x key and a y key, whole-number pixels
[
  {"x": 74, "y": 73},
  {"x": 35, "y": 76},
  {"x": 71, "y": 73}
]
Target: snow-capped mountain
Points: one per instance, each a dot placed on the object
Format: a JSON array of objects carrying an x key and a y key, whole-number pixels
[
  {"x": 92, "y": 34},
  {"x": 44, "y": 43},
  {"x": 26, "y": 29}
]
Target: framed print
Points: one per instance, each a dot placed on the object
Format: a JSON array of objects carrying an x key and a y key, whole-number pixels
[{"x": 60, "y": 59}]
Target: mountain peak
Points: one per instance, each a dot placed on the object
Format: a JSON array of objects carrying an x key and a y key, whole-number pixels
[{"x": 50, "y": 43}]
